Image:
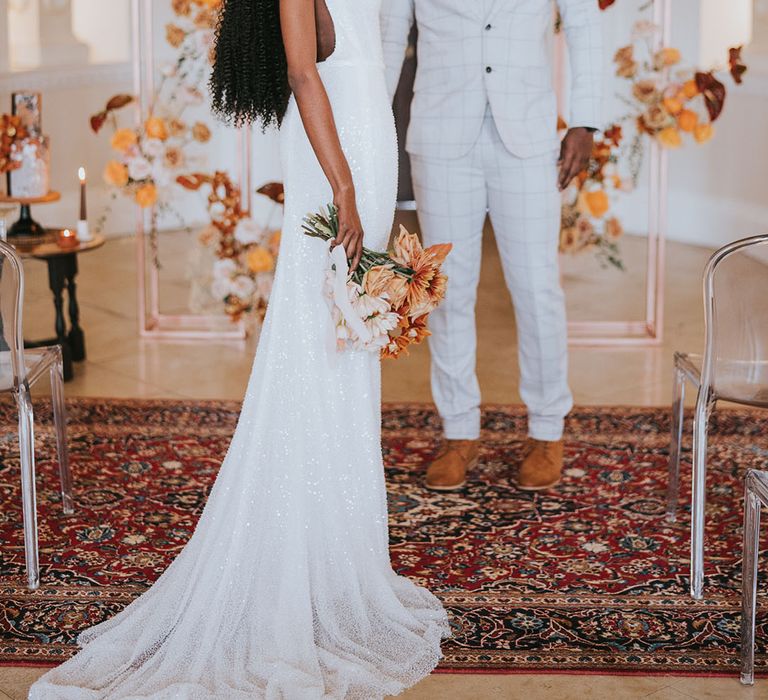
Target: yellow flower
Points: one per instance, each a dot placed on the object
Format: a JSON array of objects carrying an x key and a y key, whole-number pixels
[
  {"x": 123, "y": 140},
  {"x": 670, "y": 137},
  {"x": 646, "y": 91},
  {"x": 146, "y": 195},
  {"x": 673, "y": 105},
  {"x": 116, "y": 174},
  {"x": 687, "y": 120},
  {"x": 156, "y": 128},
  {"x": 703, "y": 132},
  {"x": 260, "y": 260},
  {"x": 597, "y": 203},
  {"x": 613, "y": 229},
  {"x": 666, "y": 57},
  {"x": 175, "y": 35},
  {"x": 690, "y": 89},
  {"x": 201, "y": 133}
]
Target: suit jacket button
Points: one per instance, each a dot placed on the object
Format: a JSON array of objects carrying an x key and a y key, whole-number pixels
[
  {"x": 488, "y": 69},
  {"x": 488, "y": 27}
]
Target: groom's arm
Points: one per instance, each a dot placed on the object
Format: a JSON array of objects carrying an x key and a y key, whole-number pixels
[
  {"x": 583, "y": 33},
  {"x": 396, "y": 21}
]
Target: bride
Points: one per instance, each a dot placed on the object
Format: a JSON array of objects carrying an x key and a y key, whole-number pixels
[{"x": 285, "y": 590}]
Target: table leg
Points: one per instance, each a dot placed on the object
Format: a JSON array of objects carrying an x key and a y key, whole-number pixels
[
  {"x": 76, "y": 336},
  {"x": 58, "y": 268}
]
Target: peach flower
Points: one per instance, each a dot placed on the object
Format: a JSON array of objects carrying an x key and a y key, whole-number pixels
[
  {"x": 259, "y": 259},
  {"x": 156, "y": 128},
  {"x": 116, "y": 174},
  {"x": 687, "y": 120},
  {"x": 690, "y": 89},
  {"x": 613, "y": 229},
  {"x": 646, "y": 91},
  {"x": 665, "y": 58},
  {"x": 703, "y": 132},
  {"x": 146, "y": 195},
  {"x": 175, "y": 35},
  {"x": 670, "y": 137},
  {"x": 673, "y": 105},
  {"x": 597, "y": 203},
  {"x": 201, "y": 133},
  {"x": 123, "y": 140}
]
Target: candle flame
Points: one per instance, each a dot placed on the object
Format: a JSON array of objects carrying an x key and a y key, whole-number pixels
[{"x": 81, "y": 174}]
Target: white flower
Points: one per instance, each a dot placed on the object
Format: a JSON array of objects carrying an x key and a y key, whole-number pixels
[
  {"x": 221, "y": 288},
  {"x": 264, "y": 285},
  {"x": 160, "y": 174},
  {"x": 139, "y": 168},
  {"x": 168, "y": 69},
  {"x": 366, "y": 306},
  {"x": 153, "y": 147},
  {"x": 243, "y": 287},
  {"x": 224, "y": 269},
  {"x": 644, "y": 29},
  {"x": 248, "y": 231},
  {"x": 217, "y": 210}
]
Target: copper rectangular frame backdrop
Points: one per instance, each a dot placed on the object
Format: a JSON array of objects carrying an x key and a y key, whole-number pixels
[
  {"x": 647, "y": 331},
  {"x": 153, "y": 323}
]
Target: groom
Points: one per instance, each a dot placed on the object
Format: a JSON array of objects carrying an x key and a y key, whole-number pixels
[{"x": 483, "y": 138}]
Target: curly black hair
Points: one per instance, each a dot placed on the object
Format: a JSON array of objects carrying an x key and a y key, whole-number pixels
[{"x": 249, "y": 82}]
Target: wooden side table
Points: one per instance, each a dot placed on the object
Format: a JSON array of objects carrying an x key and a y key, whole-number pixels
[{"x": 62, "y": 273}]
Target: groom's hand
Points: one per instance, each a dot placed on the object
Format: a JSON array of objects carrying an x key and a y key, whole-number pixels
[{"x": 575, "y": 152}]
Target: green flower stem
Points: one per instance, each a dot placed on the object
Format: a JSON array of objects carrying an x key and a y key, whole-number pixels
[{"x": 325, "y": 226}]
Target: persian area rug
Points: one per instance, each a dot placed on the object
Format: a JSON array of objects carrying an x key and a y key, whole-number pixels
[{"x": 589, "y": 577}]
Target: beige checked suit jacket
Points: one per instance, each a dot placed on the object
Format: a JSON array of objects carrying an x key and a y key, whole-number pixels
[{"x": 475, "y": 52}]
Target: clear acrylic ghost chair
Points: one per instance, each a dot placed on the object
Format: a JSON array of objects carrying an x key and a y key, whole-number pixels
[
  {"x": 755, "y": 498},
  {"x": 734, "y": 368},
  {"x": 19, "y": 370}
]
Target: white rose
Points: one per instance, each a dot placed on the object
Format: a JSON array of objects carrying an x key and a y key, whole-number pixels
[
  {"x": 224, "y": 269},
  {"x": 160, "y": 174},
  {"x": 153, "y": 147},
  {"x": 243, "y": 287},
  {"x": 139, "y": 168},
  {"x": 248, "y": 231},
  {"x": 217, "y": 210},
  {"x": 221, "y": 288}
]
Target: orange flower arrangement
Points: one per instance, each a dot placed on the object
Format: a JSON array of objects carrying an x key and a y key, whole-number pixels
[
  {"x": 387, "y": 299},
  {"x": 246, "y": 252},
  {"x": 664, "y": 107},
  {"x": 12, "y": 133}
]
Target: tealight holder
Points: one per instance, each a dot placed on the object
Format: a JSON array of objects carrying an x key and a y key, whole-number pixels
[{"x": 67, "y": 239}]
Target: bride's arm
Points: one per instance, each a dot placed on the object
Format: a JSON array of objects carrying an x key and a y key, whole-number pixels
[{"x": 297, "y": 19}]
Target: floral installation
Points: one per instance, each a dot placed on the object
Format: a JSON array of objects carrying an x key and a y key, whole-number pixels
[
  {"x": 246, "y": 253},
  {"x": 149, "y": 157},
  {"x": 666, "y": 103},
  {"x": 382, "y": 306},
  {"x": 12, "y": 135}
]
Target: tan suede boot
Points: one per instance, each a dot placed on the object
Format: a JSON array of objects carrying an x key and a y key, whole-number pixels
[
  {"x": 543, "y": 466},
  {"x": 448, "y": 472}
]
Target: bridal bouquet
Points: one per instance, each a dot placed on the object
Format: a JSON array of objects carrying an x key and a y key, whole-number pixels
[{"x": 383, "y": 305}]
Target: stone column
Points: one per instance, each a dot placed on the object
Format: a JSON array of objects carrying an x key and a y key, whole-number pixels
[{"x": 58, "y": 44}]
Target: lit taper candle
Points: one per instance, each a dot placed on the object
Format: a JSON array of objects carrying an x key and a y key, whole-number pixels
[{"x": 83, "y": 233}]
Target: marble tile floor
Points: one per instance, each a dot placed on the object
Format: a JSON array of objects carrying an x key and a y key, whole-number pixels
[{"x": 120, "y": 364}]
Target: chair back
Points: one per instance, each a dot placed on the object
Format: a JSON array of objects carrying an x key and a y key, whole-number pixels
[
  {"x": 736, "y": 319},
  {"x": 13, "y": 371}
]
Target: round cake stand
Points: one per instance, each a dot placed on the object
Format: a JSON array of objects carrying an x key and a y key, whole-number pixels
[{"x": 26, "y": 226}]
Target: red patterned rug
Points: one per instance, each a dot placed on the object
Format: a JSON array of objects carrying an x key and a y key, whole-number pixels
[{"x": 587, "y": 578}]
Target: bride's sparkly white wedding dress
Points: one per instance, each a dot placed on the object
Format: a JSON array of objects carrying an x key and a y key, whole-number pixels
[{"x": 285, "y": 590}]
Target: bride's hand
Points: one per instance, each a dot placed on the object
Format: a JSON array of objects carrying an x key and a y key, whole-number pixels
[{"x": 350, "y": 229}]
